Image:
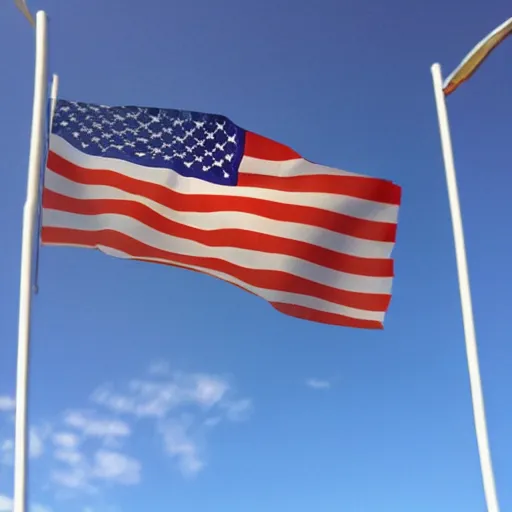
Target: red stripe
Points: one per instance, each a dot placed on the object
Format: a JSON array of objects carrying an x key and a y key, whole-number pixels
[
  {"x": 261, "y": 147},
  {"x": 243, "y": 239},
  {"x": 326, "y": 318},
  {"x": 361, "y": 187},
  {"x": 302, "y": 312},
  {"x": 336, "y": 222},
  {"x": 267, "y": 279}
]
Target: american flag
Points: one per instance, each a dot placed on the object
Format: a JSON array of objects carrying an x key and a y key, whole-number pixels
[{"x": 195, "y": 190}]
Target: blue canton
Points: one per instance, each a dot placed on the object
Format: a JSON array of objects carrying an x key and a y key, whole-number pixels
[{"x": 205, "y": 146}]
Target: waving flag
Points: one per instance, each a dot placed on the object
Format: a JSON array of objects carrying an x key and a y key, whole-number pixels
[
  {"x": 197, "y": 191},
  {"x": 476, "y": 56},
  {"x": 22, "y": 6}
]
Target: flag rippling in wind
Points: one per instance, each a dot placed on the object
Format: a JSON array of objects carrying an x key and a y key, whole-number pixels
[
  {"x": 474, "y": 59},
  {"x": 195, "y": 190}
]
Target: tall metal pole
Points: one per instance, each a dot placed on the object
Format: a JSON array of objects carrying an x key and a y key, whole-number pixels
[
  {"x": 465, "y": 297},
  {"x": 27, "y": 262}
]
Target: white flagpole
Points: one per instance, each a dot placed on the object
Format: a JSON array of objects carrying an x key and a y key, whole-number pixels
[
  {"x": 53, "y": 103},
  {"x": 27, "y": 252},
  {"x": 53, "y": 97},
  {"x": 465, "y": 297}
]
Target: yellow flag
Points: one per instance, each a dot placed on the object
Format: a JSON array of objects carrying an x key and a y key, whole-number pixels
[
  {"x": 476, "y": 56},
  {"x": 22, "y": 6}
]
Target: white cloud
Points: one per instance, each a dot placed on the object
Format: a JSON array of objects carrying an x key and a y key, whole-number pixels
[
  {"x": 5, "y": 503},
  {"x": 159, "y": 368},
  {"x": 7, "y": 452},
  {"x": 66, "y": 440},
  {"x": 146, "y": 398},
  {"x": 84, "y": 469},
  {"x": 85, "y": 472},
  {"x": 37, "y": 507},
  {"x": 116, "y": 467},
  {"x": 165, "y": 397},
  {"x": 71, "y": 457},
  {"x": 37, "y": 437},
  {"x": 213, "y": 421},
  {"x": 36, "y": 442},
  {"x": 178, "y": 444},
  {"x": 76, "y": 478},
  {"x": 84, "y": 444},
  {"x": 155, "y": 399},
  {"x": 238, "y": 410},
  {"x": 207, "y": 390},
  {"x": 7, "y": 403},
  {"x": 318, "y": 384},
  {"x": 93, "y": 427}
]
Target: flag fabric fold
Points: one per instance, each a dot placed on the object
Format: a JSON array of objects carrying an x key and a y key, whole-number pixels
[
  {"x": 476, "y": 56},
  {"x": 196, "y": 191}
]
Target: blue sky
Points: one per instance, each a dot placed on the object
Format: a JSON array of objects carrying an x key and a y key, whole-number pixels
[{"x": 159, "y": 389}]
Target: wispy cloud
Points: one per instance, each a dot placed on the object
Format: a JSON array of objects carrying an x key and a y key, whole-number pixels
[
  {"x": 37, "y": 437},
  {"x": 212, "y": 421},
  {"x": 159, "y": 368},
  {"x": 149, "y": 398},
  {"x": 90, "y": 425},
  {"x": 179, "y": 444},
  {"x": 7, "y": 404},
  {"x": 85, "y": 473},
  {"x": 6, "y": 505},
  {"x": 7, "y": 452},
  {"x": 70, "y": 457},
  {"x": 73, "y": 478},
  {"x": 237, "y": 410},
  {"x": 318, "y": 384},
  {"x": 36, "y": 507},
  {"x": 163, "y": 397},
  {"x": 86, "y": 448},
  {"x": 116, "y": 467},
  {"x": 65, "y": 439}
]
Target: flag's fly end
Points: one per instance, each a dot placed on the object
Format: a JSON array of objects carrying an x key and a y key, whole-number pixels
[
  {"x": 476, "y": 56},
  {"x": 22, "y": 6}
]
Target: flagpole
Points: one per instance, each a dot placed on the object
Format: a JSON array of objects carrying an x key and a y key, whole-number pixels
[
  {"x": 26, "y": 268},
  {"x": 54, "y": 91},
  {"x": 53, "y": 97},
  {"x": 465, "y": 296}
]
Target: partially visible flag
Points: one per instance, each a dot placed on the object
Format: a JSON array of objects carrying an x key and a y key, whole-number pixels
[
  {"x": 197, "y": 191},
  {"x": 476, "y": 56},
  {"x": 22, "y": 6}
]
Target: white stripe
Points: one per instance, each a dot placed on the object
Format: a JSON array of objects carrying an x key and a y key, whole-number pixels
[
  {"x": 297, "y": 167},
  {"x": 268, "y": 295},
  {"x": 354, "y": 207},
  {"x": 228, "y": 220},
  {"x": 241, "y": 257}
]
